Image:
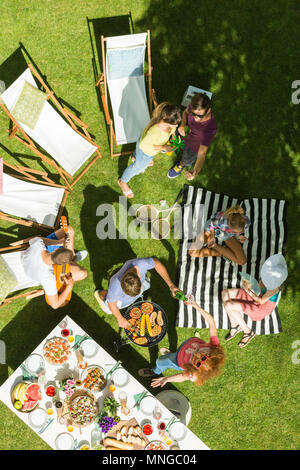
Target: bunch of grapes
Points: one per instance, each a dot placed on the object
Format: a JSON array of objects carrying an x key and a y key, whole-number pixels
[{"x": 107, "y": 423}]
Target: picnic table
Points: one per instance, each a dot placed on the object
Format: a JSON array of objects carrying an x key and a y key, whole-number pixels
[{"x": 103, "y": 359}]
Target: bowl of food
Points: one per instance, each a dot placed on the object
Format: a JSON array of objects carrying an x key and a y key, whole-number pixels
[
  {"x": 57, "y": 351},
  {"x": 26, "y": 396},
  {"x": 156, "y": 445},
  {"x": 82, "y": 408},
  {"x": 93, "y": 379}
]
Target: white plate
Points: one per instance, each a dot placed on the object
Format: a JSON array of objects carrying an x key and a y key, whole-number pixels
[
  {"x": 37, "y": 418},
  {"x": 34, "y": 363},
  {"x": 177, "y": 431},
  {"x": 64, "y": 441},
  {"x": 148, "y": 404},
  {"x": 120, "y": 377},
  {"x": 89, "y": 348}
]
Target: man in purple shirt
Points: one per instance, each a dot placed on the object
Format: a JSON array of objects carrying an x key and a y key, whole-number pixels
[
  {"x": 203, "y": 128},
  {"x": 127, "y": 285}
]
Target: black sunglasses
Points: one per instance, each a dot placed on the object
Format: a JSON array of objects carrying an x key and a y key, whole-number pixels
[{"x": 198, "y": 363}]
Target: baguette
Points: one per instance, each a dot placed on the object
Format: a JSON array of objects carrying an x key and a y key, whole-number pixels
[{"x": 110, "y": 442}]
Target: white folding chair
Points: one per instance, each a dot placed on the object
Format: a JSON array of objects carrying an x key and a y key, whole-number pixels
[
  {"x": 124, "y": 76},
  {"x": 35, "y": 204},
  {"x": 14, "y": 263},
  {"x": 69, "y": 148}
]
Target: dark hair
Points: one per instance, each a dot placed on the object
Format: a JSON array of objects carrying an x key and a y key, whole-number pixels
[
  {"x": 166, "y": 112},
  {"x": 131, "y": 283},
  {"x": 62, "y": 256},
  {"x": 200, "y": 101}
]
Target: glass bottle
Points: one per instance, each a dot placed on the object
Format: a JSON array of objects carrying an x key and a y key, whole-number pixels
[
  {"x": 180, "y": 295},
  {"x": 96, "y": 438}
]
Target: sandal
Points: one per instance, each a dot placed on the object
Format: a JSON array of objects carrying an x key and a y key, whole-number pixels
[
  {"x": 146, "y": 373},
  {"x": 233, "y": 332},
  {"x": 129, "y": 194},
  {"x": 246, "y": 339}
]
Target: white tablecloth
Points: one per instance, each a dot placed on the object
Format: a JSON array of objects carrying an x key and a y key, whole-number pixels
[{"x": 103, "y": 359}]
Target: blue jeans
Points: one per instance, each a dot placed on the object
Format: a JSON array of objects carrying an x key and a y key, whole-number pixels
[
  {"x": 138, "y": 166},
  {"x": 168, "y": 361}
]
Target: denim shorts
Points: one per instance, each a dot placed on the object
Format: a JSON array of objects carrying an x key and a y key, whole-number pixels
[{"x": 51, "y": 248}]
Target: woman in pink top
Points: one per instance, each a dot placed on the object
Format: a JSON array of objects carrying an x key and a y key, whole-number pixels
[{"x": 197, "y": 360}]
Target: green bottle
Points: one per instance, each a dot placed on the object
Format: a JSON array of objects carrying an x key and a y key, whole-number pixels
[{"x": 180, "y": 295}]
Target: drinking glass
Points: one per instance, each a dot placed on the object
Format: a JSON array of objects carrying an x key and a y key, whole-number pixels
[
  {"x": 157, "y": 413},
  {"x": 123, "y": 400}
]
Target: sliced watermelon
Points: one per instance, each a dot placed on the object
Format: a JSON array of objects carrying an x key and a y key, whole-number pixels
[
  {"x": 29, "y": 405},
  {"x": 33, "y": 392}
]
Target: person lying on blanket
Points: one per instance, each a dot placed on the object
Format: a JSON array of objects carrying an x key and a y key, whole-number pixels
[
  {"x": 238, "y": 302},
  {"x": 127, "y": 285},
  {"x": 227, "y": 227},
  {"x": 43, "y": 253},
  {"x": 197, "y": 360},
  {"x": 153, "y": 140}
]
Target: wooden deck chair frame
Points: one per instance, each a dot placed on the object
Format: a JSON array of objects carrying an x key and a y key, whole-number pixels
[
  {"x": 18, "y": 246},
  {"x": 102, "y": 85},
  {"x": 34, "y": 176},
  {"x": 73, "y": 120}
]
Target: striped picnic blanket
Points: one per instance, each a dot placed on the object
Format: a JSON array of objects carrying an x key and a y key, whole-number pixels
[{"x": 207, "y": 277}]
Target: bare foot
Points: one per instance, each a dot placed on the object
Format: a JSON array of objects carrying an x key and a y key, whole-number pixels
[
  {"x": 151, "y": 164},
  {"x": 125, "y": 189}
]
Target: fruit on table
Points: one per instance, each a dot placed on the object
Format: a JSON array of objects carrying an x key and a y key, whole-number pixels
[
  {"x": 28, "y": 395},
  {"x": 18, "y": 404},
  {"x": 33, "y": 392},
  {"x": 20, "y": 392},
  {"x": 29, "y": 405}
]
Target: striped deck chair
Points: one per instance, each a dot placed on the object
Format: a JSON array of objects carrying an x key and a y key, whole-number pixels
[
  {"x": 123, "y": 74},
  {"x": 207, "y": 277},
  {"x": 31, "y": 200},
  {"x": 12, "y": 268},
  {"x": 56, "y": 131}
]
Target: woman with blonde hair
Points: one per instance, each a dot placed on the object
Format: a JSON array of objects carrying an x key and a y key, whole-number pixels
[
  {"x": 228, "y": 227},
  {"x": 197, "y": 360},
  {"x": 153, "y": 140}
]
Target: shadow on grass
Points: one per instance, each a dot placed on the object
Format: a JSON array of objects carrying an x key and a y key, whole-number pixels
[
  {"x": 36, "y": 320},
  {"x": 246, "y": 56}
]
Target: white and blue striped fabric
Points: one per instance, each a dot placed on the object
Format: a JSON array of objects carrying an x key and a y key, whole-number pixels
[
  {"x": 126, "y": 83},
  {"x": 207, "y": 277}
]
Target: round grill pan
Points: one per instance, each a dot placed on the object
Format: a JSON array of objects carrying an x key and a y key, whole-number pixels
[{"x": 152, "y": 341}]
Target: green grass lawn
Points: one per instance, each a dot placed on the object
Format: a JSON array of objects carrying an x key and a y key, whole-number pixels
[{"x": 246, "y": 54}]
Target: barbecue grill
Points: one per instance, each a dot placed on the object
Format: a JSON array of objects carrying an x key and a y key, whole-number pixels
[{"x": 126, "y": 335}]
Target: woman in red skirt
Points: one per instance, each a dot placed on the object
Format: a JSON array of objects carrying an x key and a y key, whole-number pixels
[{"x": 238, "y": 302}]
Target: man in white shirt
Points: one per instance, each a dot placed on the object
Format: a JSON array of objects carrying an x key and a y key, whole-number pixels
[{"x": 43, "y": 253}]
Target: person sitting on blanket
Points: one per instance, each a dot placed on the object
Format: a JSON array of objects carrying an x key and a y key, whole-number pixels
[
  {"x": 197, "y": 360},
  {"x": 227, "y": 227},
  {"x": 127, "y": 285},
  {"x": 43, "y": 253},
  {"x": 243, "y": 301}
]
